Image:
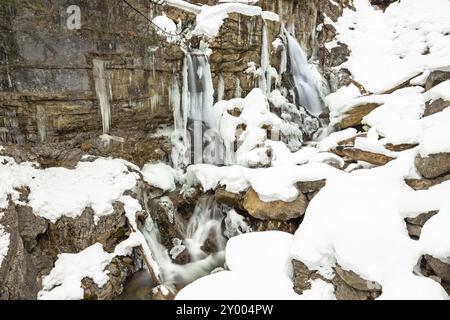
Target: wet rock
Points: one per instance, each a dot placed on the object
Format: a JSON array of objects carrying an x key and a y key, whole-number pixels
[
  {"x": 229, "y": 198},
  {"x": 276, "y": 210},
  {"x": 272, "y": 225},
  {"x": 434, "y": 165},
  {"x": 163, "y": 212}
]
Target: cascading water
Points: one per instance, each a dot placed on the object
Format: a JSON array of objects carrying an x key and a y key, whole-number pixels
[
  {"x": 305, "y": 83},
  {"x": 204, "y": 225},
  {"x": 195, "y": 110}
]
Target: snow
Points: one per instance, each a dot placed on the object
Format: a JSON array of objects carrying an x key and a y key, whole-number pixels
[
  {"x": 4, "y": 243},
  {"x": 259, "y": 270},
  {"x": 64, "y": 280},
  {"x": 254, "y": 114},
  {"x": 435, "y": 238},
  {"x": 435, "y": 140},
  {"x": 336, "y": 101},
  {"x": 271, "y": 184},
  {"x": 57, "y": 192},
  {"x": 383, "y": 251},
  {"x": 160, "y": 175},
  {"x": 440, "y": 91},
  {"x": 390, "y": 47},
  {"x": 374, "y": 146},
  {"x": 211, "y": 18},
  {"x": 167, "y": 26},
  {"x": 235, "y": 224},
  {"x": 332, "y": 140},
  {"x": 269, "y": 15}
]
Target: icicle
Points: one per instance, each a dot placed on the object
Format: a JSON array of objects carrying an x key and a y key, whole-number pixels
[
  {"x": 238, "y": 92},
  {"x": 40, "y": 123},
  {"x": 221, "y": 89},
  {"x": 102, "y": 93},
  {"x": 175, "y": 103}
]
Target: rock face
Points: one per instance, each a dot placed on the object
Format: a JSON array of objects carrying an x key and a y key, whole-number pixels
[
  {"x": 276, "y": 210},
  {"x": 348, "y": 285},
  {"x": 434, "y": 165},
  {"x": 49, "y": 84},
  {"x": 35, "y": 244}
]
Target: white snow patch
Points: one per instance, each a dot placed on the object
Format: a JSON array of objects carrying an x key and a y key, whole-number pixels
[
  {"x": 390, "y": 47},
  {"x": 160, "y": 175}
]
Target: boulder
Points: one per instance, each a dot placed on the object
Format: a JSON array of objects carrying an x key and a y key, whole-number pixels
[
  {"x": 354, "y": 116},
  {"x": 432, "y": 107},
  {"x": 362, "y": 155},
  {"x": 414, "y": 225},
  {"x": 347, "y": 284},
  {"x": 399, "y": 147},
  {"x": 231, "y": 199},
  {"x": 303, "y": 276},
  {"x": 435, "y": 78},
  {"x": 355, "y": 281},
  {"x": 423, "y": 184},
  {"x": 434, "y": 165},
  {"x": 343, "y": 291},
  {"x": 275, "y": 210},
  {"x": 440, "y": 268}
]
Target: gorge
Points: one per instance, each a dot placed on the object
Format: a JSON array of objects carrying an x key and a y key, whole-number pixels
[{"x": 189, "y": 149}]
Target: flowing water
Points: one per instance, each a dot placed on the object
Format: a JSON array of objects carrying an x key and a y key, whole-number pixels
[
  {"x": 305, "y": 82},
  {"x": 204, "y": 229}
]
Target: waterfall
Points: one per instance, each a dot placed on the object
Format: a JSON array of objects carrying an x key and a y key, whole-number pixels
[
  {"x": 204, "y": 225},
  {"x": 101, "y": 90},
  {"x": 196, "y": 109},
  {"x": 306, "y": 84}
]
